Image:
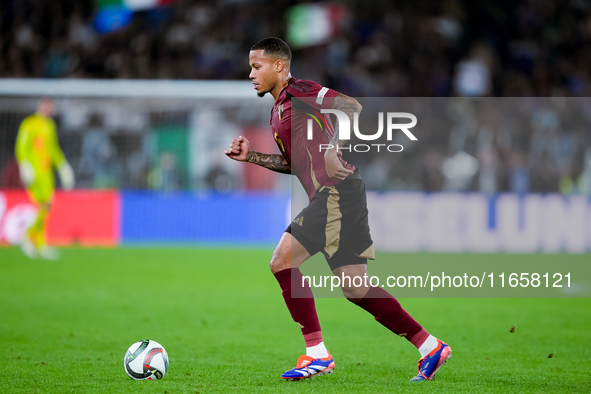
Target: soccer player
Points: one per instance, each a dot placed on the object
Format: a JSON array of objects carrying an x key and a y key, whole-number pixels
[
  {"x": 334, "y": 223},
  {"x": 38, "y": 153}
]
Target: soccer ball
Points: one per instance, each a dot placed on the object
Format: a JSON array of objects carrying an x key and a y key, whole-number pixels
[{"x": 146, "y": 360}]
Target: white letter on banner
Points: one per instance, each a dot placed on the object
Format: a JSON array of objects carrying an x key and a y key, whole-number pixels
[
  {"x": 404, "y": 126},
  {"x": 564, "y": 227},
  {"x": 17, "y": 220},
  {"x": 310, "y": 129},
  {"x": 396, "y": 221},
  {"x": 480, "y": 237},
  {"x": 444, "y": 232},
  {"x": 344, "y": 123},
  {"x": 519, "y": 223},
  {"x": 368, "y": 137}
]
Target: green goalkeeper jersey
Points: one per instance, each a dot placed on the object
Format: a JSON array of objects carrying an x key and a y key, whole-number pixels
[{"x": 37, "y": 143}]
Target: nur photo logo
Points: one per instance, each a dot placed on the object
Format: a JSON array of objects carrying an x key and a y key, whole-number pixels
[{"x": 344, "y": 125}]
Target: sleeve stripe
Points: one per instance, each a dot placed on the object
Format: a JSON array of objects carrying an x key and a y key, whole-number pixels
[
  {"x": 301, "y": 86},
  {"x": 298, "y": 88},
  {"x": 321, "y": 94}
]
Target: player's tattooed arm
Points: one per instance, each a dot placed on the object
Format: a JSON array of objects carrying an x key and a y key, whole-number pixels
[
  {"x": 272, "y": 162},
  {"x": 240, "y": 150},
  {"x": 349, "y": 106}
]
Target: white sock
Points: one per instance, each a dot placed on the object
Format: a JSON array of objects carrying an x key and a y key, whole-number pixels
[
  {"x": 428, "y": 346},
  {"x": 318, "y": 351}
]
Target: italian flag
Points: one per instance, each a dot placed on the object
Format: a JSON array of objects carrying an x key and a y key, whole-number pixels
[
  {"x": 138, "y": 5},
  {"x": 113, "y": 15},
  {"x": 313, "y": 24},
  {"x": 133, "y": 5}
]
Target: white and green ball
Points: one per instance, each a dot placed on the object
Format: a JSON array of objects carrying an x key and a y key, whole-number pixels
[{"x": 146, "y": 360}]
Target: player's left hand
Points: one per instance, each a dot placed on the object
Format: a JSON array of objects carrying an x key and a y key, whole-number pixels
[
  {"x": 334, "y": 167},
  {"x": 66, "y": 175}
]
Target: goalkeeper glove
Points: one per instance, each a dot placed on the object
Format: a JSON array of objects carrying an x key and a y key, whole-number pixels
[
  {"x": 66, "y": 175},
  {"x": 27, "y": 172}
]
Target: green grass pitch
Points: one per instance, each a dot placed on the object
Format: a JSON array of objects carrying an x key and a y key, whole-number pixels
[{"x": 65, "y": 327}]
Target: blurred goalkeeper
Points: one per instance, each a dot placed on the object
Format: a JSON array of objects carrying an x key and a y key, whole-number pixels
[{"x": 38, "y": 153}]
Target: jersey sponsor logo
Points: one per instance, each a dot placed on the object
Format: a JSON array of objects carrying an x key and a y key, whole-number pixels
[{"x": 321, "y": 94}]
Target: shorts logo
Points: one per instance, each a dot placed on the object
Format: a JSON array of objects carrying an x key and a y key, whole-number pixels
[
  {"x": 321, "y": 94},
  {"x": 299, "y": 221}
]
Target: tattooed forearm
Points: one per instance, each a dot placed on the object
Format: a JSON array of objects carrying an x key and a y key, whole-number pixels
[
  {"x": 272, "y": 162},
  {"x": 349, "y": 106}
]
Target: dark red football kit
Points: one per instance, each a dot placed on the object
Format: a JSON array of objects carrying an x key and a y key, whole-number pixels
[{"x": 335, "y": 222}]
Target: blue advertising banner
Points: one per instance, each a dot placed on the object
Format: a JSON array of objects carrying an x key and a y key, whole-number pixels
[
  {"x": 476, "y": 222},
  {"x": 252, "y": 218}
]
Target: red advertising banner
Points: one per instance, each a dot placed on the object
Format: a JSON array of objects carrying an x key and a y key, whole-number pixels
[{"x": 76, "y": 218}]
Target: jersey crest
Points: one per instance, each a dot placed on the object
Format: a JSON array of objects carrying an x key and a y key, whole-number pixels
[{"x": 280, "y": 112}]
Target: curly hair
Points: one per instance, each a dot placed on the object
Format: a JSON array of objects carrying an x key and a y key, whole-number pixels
[{"x": 275, "y": 47}]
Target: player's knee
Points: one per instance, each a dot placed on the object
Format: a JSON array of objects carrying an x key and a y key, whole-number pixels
[
  {"x": 356, "y": 301},
  {"x": 355, "y": 294},
  {"x": 279, "y": 262}
]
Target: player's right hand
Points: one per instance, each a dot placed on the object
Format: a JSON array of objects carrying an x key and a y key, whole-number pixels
[
  {"x": 334, "y": 167},
  {"x": 239, "y": 149}
]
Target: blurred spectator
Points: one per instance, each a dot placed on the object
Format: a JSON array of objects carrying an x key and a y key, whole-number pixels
[
  {"x": 584, "y": 181},
  {"x": 218, "y": 179},
  {"x": 404, "y": 48},
  {"x": 518, "y": 174},
  {"x": 98, "y": 161},
  {"x": 165, "y": 176},
  {"x": 473, "y": 75},
  {"x": 546, "y": 177}
]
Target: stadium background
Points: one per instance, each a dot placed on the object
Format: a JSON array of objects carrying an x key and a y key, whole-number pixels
[
  {"x": 149, "y": 93},
  {"x": 157, "y": 145}
]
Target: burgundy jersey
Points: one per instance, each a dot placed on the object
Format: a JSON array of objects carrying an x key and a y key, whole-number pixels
[{"x": 289, "y": 127}]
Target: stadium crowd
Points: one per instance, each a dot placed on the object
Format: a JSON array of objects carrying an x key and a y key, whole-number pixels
[{"x": 398, "y": 48}]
